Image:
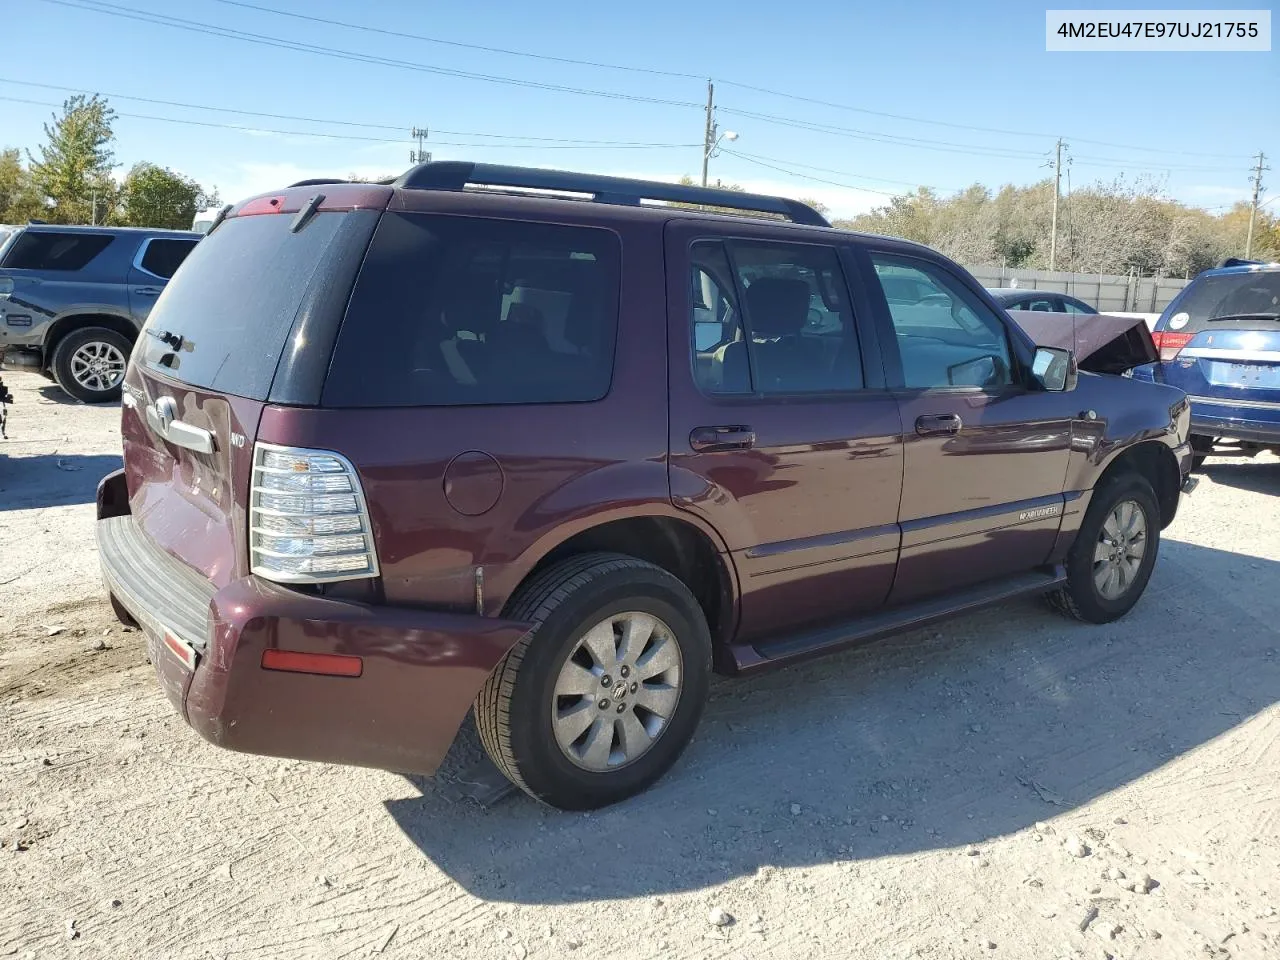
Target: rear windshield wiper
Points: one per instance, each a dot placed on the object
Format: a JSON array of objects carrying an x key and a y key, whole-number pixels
[
  {"x": 174, "y": 340},
  {"x": 1246, "y": 316}
]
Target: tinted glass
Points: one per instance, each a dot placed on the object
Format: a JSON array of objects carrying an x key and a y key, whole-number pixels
[
  {"x": 947, "y": 337},
  {"x": 457, "y": 310},
  {"x": 1075, "y": 306},
  {"x": 1226, "y": 301},
  {"x": 235, "y": 300},
  {"x": 1041, "y": 304},
  {"x": 719, "y": 345},
  {"x": 46, "y": 250},
  {"x": 801, "y": 333},
  {"x": 163, "y": 257}
]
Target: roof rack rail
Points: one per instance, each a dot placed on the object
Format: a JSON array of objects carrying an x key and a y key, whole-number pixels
[{"x": 457, "y": 175}]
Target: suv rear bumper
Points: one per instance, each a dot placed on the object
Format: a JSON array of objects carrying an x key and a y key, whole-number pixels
[
  {"x": 1251, "y": 420},
  {"x": 419, "y": 671}
]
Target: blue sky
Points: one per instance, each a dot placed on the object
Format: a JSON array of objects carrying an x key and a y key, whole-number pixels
[{"x": 1190, "y": 120}]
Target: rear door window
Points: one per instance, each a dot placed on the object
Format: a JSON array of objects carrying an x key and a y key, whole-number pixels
[
  {"x": 223, "y": 320},
  {"x": 164, "y": 255},
  {"x": 460, "y": 310},
  {"x": 51, "y": 250},
  {"x": 798, "y": 335}
]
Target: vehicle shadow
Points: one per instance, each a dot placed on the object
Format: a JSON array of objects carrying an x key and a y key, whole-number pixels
[
  {"x": 54, "y": 393},
  {"x": 1258, "y": 477},
  {"x": 51, "y": 480},
  {"x": 947, "y": 736}
]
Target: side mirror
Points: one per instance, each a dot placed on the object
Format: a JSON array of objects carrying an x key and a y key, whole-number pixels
[{"x": 1055, "y": 369}]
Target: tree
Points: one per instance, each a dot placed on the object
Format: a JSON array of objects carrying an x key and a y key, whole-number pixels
[
  {"x": 20, "y": 198},
  {"x": 155, "y": 196},
  {"x": 74, "y": 169}
]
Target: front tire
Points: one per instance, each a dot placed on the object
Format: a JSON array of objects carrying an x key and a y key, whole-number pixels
[
  {"x": 89, "y": 364},
  {"x": 1114, "y": 552},
  {"x": 602, "y": 695}
]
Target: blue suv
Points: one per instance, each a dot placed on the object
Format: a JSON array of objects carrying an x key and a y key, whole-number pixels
[{"x": 1219, "y": 342}]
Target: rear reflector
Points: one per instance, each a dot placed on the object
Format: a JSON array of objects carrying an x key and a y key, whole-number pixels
[
  {"x": 1170, "y": 343},
  {"x": 183, "y": 651},
  {"x": 326, "y": 664}
]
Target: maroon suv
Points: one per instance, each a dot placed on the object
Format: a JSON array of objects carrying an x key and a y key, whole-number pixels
[{"x": 533, "y": 444}]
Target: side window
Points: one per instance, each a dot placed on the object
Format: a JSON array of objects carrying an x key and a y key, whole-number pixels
[
  {"x": 455, "y": 310},
  {"x": 47, "y": 250},
  {"x": 1044, "y": 305},
  {"x": 1070, "y": 306},
  {"x": 720, "y": 362},
  {"x": 163, "y": 256},
  {"x": 946, "y": 336},
  {"x": 791, "y": 333}
]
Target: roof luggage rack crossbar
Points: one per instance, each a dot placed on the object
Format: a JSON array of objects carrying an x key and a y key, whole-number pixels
[{"x": 458, "y": 175}]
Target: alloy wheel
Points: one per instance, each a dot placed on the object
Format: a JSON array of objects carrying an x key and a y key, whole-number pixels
[
  {"x": 617, "y": 691},
  {"x": 1117, "y": 557}
]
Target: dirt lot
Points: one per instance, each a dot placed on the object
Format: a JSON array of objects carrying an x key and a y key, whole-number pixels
[{"x": 1008, "y": 785}]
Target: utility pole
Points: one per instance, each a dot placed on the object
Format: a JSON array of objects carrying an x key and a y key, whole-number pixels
[
  {"x": 1253, "y": 210},
  {"x": 419, "y": 155},
  {"x": 709, "y": 135},
  {"x": 1057, "y": 189},
  {"x": 93, "y": 216}
]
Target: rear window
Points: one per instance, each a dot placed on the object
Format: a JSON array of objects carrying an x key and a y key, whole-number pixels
[
  {"x": 234, "y": 302},
  {"x": 49, "y": 250},
  {"x": 458, "y": 310},
  {"x": 1227, "y": 301},
  {"x": 163, "y": 256}
]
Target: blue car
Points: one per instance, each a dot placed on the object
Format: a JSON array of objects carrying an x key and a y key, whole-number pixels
[{"x": 1219, "y": 342}]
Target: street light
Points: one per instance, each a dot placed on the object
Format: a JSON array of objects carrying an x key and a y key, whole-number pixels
[{"x": 713, "y": 145}]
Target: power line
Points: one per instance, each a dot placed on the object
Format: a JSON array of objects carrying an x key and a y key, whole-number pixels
[
  {"x": 843, "y": 173},
  {"x": 193, "y": 26},
  {"x": 340, "y": 123},
  {"x": 806, "y": 176},
  {"x": 677, "y": 74},
  {"x": 570, "y": 145},
  {"x": 1116, "y": 162},
  {"x": 918, "y": 142},
  {"x": 401, "y": 35}
]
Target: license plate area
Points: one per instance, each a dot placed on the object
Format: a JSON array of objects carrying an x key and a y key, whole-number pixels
[{"x": 1229, "y": 373}]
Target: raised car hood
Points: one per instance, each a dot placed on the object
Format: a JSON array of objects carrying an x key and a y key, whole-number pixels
[{"x": 1102, "y": 343}]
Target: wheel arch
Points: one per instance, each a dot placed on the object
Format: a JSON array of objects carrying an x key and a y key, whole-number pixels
[
  {"x": 71, "y": 322},
  {"x": 677, "y": 543},
  {"x": 1154, "y": 461}
]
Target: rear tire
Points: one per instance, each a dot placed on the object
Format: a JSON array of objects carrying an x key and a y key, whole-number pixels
[
  {"x": 1104, "y": 579},
  {"x": 586, "y": 610},
  {"x": 89, "y": 364}
]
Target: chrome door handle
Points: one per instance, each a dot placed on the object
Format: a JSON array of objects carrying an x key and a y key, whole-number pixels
[
  {"x": 147, "y": 291},
  {"x": 180, "y": 434},
  {"x": 948, "y": 423},
  {"x": 710, "y": 439}
]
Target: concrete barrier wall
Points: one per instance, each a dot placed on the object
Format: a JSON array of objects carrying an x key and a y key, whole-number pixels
[{"x": 1110, "y": 293}]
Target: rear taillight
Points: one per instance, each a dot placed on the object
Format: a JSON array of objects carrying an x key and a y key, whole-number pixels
[
  {"x": 308, "y": 521},
  {"x": 1170, "y": 343}
]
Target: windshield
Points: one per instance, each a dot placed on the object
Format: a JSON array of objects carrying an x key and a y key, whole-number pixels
[{"x": 1246, "y": 298}]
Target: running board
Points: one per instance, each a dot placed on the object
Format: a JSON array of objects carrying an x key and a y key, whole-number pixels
[{"x": 828, "y": 639}]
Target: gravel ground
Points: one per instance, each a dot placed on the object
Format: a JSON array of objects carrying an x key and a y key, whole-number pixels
[{"x": 1009, "y": 784}]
